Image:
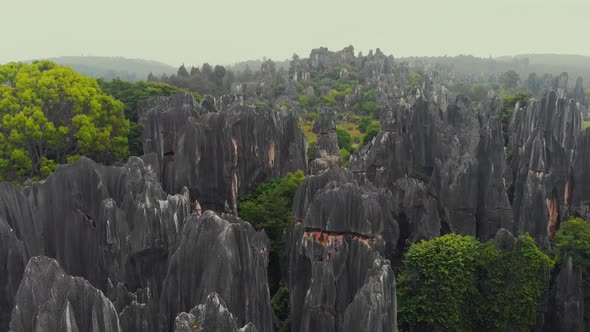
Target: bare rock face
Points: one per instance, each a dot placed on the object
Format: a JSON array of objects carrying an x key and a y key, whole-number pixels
[
  {"x": 107, "y": 224},
  {"x": 222, "y": 254},
  {"x": 444, "y": 166},
  {"x": 541, "y": 149},
  {"x": 50, "y": 300},
  {"x": 579, "y": 93},
  {"x": 12, "y": 265},
  {"x": 211, "y": 316},
  {"x": 326, "y": 151},
  {"x": 567, "y": 306},
  {"x": 339, "y": 279},
  {"x": 220, "y": 155},
  {"x": 578, "y": 192}
]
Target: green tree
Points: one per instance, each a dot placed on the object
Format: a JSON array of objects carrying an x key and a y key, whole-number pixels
[
  {"x": 372, "y": 130},
  {"x": 573, "y": 239},
  {"x": 130, "y": 93},
  {"x": 456, "y": 283},
  {"x": 269, "y": 208},
  {"x": 438, "y": 289},
  {"x": 49, "y": 113},
  {"x": 509, "y": 80},
  {"x": 344, "y": 137}
]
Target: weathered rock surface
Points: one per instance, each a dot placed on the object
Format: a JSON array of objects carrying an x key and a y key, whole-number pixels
[
  {"x": 50, "y": 300},
  {"x": 541, "y": 148},
  {"x": 222, "y": 254},
  {"x": 220, "y": 155},
  {"x": 212, "y": 316},
  {"x": 567, "y": 306},
  {"x": 578, "y": 191},
  {"x": 12, "y": 265},
  {"x": 326, "y": 151},
  {"x": 106, "y": 224},
  {"x": 338, "y": 278},
  {"x": 444, "y": 166}
]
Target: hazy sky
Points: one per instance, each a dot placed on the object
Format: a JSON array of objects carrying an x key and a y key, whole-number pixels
[{"x": 223, "y": 31}]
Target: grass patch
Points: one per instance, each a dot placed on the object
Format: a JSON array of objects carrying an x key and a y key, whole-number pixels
[{"x": 586, "y": 124}]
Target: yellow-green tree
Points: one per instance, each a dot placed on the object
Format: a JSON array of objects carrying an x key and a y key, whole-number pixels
[{"x": 49, "y": 113}]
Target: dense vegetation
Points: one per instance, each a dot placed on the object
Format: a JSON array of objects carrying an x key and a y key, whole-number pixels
[
  {"x": 130, "y": 93},
  {"x": 269, "y": 208},
  {"x": 456, "y": 283},
  {"x": 51, "y": 115},
  {"x": 573, "y": 239}
]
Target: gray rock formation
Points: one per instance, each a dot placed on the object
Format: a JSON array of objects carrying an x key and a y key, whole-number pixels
[
  {"x": 339, "y": 279},
  {"x": 541, "y": 148},
  {"x": 444, "y": 166},
  {"x": 12, "y": 265},
  {"x": 106, "y": 224},
  {"x": 50, "y": 300},
  {"x": 222, "y": 254},
  {"x": 326, "y": 151},
  {"x": 577, "y": 193},
  {"x": 212, "y": 316},
  {"x": 220, "y": 156},
  {"x": 567, "y": 307}
]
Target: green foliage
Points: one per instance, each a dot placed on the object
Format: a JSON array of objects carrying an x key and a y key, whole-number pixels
[
  {"x": 269, "y": 208},
  {"x": 438, "y": 288},
  {"x": 456, "y": 283},
  {"x": 415, "y": 80},
  {"x": 511, "y": 283},
  {"x": 281, "y": 308},
  {"x": 508, "y": 104},
  {"x": 573, "y": 239},
  {"x": 130, "y": 93},
  {"x": 364, "y": 122},
  {"x": 312, "y": 116},
  {"x": 371, "y": 131},
  {"x": 509, "y": 80},
  {"x": 368, "y": 105},
  {"x": 49, "y": 113},
  {"x": 344, "y": 157},
  {"x": 344, "y": 137}
]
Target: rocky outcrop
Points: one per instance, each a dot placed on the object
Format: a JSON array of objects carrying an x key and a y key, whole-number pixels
[
  {"x": 12, "y": 264},
  {"x": 326, "y": 152},
  {"x": 220, "y": 155},
  {"x": 445, "y": 166},
  {"x": 339, "y": 279},
  {"x": 541, "y": 148},
  {"x": 577, "y": 191},
  {"x": 567, "y": 306},
  {"x": 211, "y": 316},
  {"x": 50, "y": 300},
  {"x": 107, "y": 224},
  {"x": 222, "y": 254}
]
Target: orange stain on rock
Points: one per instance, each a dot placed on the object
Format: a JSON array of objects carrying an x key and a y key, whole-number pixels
[
  {"x": 271, "y": 154},
  {"x": 566, "y": 194},
  {"x": 552, "y": 209}
]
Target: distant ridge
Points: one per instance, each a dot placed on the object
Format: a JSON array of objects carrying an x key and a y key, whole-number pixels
[{"x": 109, "y": 68}]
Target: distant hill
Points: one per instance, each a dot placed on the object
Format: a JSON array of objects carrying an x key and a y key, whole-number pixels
[
  {"x": 523, "y": 64},
  {"x": 112, "y": 67}
]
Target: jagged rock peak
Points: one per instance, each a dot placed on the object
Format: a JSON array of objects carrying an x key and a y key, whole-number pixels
[
  {"x": 50, "y": 300},
  {"x": 338, "y": 278},
  {"x": 237, "y": 274},
  {"x": 211, "y": 316}
]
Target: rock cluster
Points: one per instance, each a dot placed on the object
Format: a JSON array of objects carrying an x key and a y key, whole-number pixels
[
  {"x": 444, "y": 166},
  {"x": 339, "y": 279},
  {"x": 220, "y": 155}
]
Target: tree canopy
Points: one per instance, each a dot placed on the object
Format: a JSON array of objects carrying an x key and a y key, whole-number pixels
[
  {"x": 456, "y": 283},
  {"x": 51, "y": 114}
]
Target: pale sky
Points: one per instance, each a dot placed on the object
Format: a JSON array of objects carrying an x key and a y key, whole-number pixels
[{"x": 224, "y": 31}]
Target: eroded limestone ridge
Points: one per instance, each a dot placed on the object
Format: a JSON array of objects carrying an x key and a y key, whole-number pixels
[
  {"x": 339, "y": 279},
  {"x": 220, "y": 155},
  {"x": 444, "y": 166}
]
